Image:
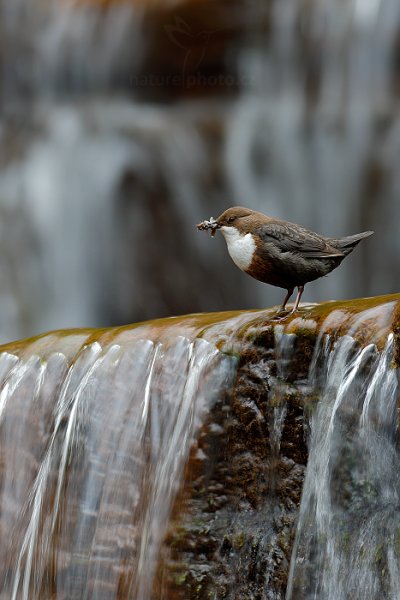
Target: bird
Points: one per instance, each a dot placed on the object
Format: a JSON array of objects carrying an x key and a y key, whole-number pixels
[{"x": 278, "y": 252}]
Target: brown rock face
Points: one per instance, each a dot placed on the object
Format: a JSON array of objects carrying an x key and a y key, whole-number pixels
[
  {"x": 233, "y": 527},
  {"x": 234, "y": 523}
]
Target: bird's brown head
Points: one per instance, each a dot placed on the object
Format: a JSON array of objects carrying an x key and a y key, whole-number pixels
[
  {"x": 233, "y": 216},
  {"x": 238, "y": 218},
  {"x": 243, "y": 219}
]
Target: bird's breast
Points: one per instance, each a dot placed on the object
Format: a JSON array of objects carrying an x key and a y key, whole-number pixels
[{"x": 241, "y": 247}]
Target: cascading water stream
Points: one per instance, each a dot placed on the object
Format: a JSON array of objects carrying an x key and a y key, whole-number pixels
[
  {"x": 348, "y": 536},
  {"x": 89, "y": 479},
  {"x": 153, "y": 460}
]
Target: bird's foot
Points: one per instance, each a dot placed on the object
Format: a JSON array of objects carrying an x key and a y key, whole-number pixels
[{"x": 281, "y": 314}]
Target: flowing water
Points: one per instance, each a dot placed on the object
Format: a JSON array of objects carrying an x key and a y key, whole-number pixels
[
  {"x": 96, "y": 429},
  {"x": 348, "y": 537},
  {"x": 92, "y": 456}
]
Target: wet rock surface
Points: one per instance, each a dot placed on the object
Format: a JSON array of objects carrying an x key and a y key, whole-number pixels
[
  {"x": 244, "y": 483},
  {"x": 176, "y": 447},
  {"x": 233, "y": 528}
]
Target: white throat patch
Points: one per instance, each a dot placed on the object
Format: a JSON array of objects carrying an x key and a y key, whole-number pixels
[{"x": 240, "y": 247}]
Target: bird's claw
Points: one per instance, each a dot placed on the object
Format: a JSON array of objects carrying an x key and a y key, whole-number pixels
[
  {"x": 281, "y": 315},
  {"x": 284, "y": 313}
]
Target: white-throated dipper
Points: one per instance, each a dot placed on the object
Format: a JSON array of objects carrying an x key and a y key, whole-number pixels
[{"x": 278, "y": 252}]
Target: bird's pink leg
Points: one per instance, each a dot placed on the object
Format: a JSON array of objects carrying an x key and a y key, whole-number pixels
[
  {"x": 299, "y": 294},
  {"x": 296, "y": 304},
  {"x": 289, "y": 293}
]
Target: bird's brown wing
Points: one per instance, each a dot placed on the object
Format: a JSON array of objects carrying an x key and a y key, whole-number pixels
[{"x": 289, "y": 237}]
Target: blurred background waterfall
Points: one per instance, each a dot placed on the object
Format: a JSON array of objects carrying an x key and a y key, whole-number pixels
[{"x": 123, "y": 123}]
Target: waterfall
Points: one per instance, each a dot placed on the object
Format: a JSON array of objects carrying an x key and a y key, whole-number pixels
[
  {"x": 93, "y": 443},
  {"x": 157, "y": 459},
  {"x": 347, "y": 541}
]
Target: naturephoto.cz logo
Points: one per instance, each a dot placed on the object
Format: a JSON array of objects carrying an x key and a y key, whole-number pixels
[{"x": 194, "y": 46}]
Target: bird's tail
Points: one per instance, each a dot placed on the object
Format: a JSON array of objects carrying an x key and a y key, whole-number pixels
[{"x": 347, "y": 244}]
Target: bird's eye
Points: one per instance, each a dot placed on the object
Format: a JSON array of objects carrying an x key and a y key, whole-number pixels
[{"x": 231, "y": 219}]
